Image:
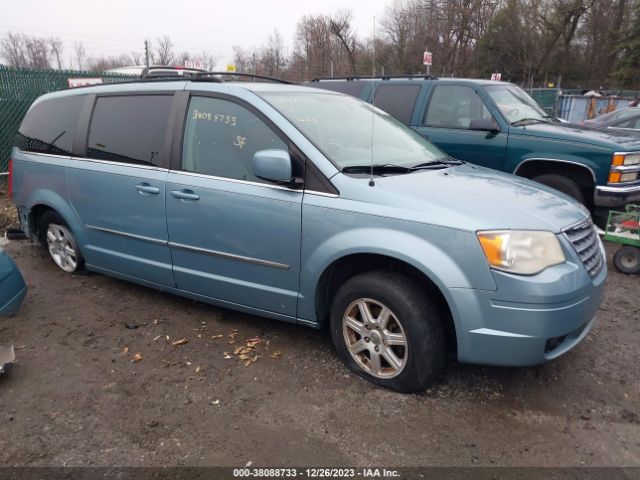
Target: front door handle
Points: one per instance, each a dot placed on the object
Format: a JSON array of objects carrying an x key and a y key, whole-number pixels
[
  {"x": 185, "y": 195},
  {"x": 145, "y": 189}
]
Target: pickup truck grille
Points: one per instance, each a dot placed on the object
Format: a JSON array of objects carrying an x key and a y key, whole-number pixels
[{"x": 584, "y": 239}]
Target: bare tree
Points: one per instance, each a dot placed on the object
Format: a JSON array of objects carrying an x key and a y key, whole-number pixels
[
  {"x": 272, "y": 58},
  {"x": 56, "y": 48},
  {"x": 137, "y": 58},
  {"x": 99, "y": 64},
  {"x": 80, "y": 55},
  {"x": 164, "y": 54},
  {"x": 208, "y": 60},
  {"x": 341, "y": 27},
  {"x": 38, "y": 53},
  {"x": 13, "y": 50}
]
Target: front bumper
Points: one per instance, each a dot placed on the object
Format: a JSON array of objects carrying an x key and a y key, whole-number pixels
[
  {"x": 611, "y": 197},
  {"x": 527, "y": 320}
]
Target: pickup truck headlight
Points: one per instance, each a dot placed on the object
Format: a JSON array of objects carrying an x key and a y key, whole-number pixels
[
  {"x": 621, "y": 159},
  {"x": 624, "y": 168},
  {"x": 521, "y": 252}
]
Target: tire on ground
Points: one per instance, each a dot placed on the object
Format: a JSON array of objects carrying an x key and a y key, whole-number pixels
[
  {"x": 51, "y": 217},
  {"x": 627, "y": 260},
  {"x": 418, "y": 315}
]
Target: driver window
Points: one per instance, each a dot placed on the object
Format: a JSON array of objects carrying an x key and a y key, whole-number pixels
[
  {"x": 221, "y": 138},
  {"x": 454, "y": 106}
]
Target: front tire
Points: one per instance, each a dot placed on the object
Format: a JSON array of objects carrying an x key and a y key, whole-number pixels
[
  {"x": 627, "y": 260},
  {"x": 388, "y": 331},
  {"x": 562, "y": 184},
  {"x": 57, "y": 238}
]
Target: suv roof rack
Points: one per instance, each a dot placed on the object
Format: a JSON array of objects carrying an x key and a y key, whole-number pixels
[
  {"x": 382, "y": 77},
  {"x": 202, "y": 76},
  {"x": 206, "y": 75}
]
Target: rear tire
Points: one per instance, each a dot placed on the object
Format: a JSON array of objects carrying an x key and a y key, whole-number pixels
[
  {"x": 58, "y": 239},
  {"x": 627, "y": 260},
  {"x": 562, "y": 184},
  {"x": 386, "y": 330}
]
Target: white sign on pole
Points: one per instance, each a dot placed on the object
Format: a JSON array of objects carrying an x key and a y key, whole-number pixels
[
  {"x": 496, "y": 76},
  {"x": 427, "y": 58}
]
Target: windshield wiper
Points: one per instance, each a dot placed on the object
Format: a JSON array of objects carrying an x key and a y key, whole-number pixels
[
  {"x": 391, "y": 168},
  {"x": 437, "y": 163},
  {"x": 376, "y": 168},
  {"x": 524, "y": 121}
]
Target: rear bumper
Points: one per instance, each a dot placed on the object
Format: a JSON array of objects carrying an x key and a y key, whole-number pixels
[
  {"x": 527, "y": 321},
  {"x": 610, "y": 197}
]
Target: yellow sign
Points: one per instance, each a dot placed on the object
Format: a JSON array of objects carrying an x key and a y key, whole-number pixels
[{"x": 231, "y": 68}]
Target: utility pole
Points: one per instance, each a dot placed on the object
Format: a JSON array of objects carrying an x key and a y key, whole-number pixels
[{"x": 146, "y": 54}]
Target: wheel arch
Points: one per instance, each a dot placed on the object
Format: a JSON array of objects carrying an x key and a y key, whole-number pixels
[
  {"x": 349, "y": 265},
  {"x": 583, "y": 174},
  {"x": 42, "y": 201}
]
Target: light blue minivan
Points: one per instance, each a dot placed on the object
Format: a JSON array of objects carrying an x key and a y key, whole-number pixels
[{"x": 313, "y": 207}]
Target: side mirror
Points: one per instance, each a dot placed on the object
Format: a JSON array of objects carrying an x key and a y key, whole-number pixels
[
  {"x": 272, "y": 165},
  {"x": 484, "y": 125}
]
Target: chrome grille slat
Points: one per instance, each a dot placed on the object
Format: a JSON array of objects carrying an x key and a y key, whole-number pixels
[
  {"x": 584, "y": 240},
  {"x": 581, "y": 236}
]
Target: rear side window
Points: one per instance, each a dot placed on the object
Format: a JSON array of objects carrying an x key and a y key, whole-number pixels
[
  {"x": 129, "y": 129},
  {"x": 351, "y": 87},
  {"x": 397, "y": 100},
  {"x": 50, "y": 125}
]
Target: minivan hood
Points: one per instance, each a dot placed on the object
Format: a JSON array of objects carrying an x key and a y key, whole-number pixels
[
  {"x": 616, "y": 140},
  {"x": 469, "y": 197}
]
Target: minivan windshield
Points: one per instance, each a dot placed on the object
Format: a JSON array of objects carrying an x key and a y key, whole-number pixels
[
  {"x": 516, "y": 105},
  {"x": 347, "y": 130}
]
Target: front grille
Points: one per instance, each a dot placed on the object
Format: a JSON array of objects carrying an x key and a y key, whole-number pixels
[{"x": 584, "y": 239}]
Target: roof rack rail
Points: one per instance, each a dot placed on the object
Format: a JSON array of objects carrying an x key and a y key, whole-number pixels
[
  {"x": 381, "y": 77},
  {"x": 206, "y": 75}
]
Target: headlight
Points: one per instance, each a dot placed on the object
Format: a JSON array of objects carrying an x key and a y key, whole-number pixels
[
  {"x": 620, "y": 159},
  {"x": 521, "y": 252}
]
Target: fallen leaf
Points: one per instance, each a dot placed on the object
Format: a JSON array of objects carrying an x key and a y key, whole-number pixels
[
  {"x": 217, "y": 336},
  {"x": 276, "y": 355},
  {"x": 182, "y": 341},
  {"x": 136, "y": 358},
  {"x": 215, "y": 402},
  {"x": 231, "y": 342},
  {"x": 226, "y": 355},
  {"x": 198, "y": 369},
  {"x": 125, "y": 350}
]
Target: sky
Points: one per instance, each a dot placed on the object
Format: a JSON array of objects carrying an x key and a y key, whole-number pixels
[{"x": 111, "y": 27}]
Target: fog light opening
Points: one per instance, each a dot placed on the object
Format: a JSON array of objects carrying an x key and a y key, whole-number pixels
[{"x": 553, "y": 343}]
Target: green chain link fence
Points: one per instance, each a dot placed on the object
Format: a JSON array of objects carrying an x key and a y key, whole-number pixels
[{"x": 19, "y": 87}]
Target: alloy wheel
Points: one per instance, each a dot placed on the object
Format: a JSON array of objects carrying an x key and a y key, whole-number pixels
[{"x": 375, "y": 338}]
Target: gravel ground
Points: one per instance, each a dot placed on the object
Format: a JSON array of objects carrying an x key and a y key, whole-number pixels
[{"x": 76, "y": 397}]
